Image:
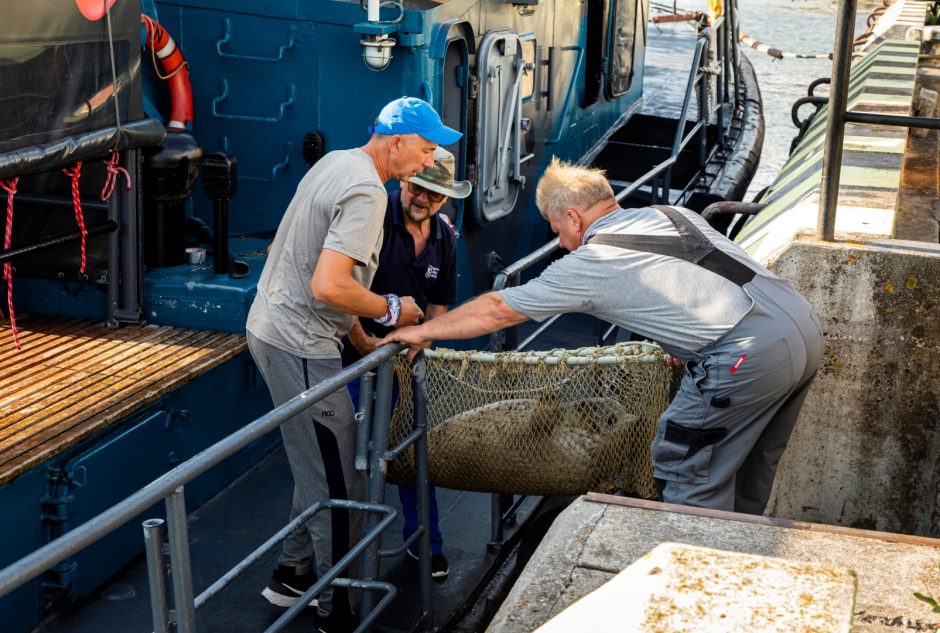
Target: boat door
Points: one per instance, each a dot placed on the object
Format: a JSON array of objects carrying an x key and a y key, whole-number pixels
[
  {"x": 454, "y": 81},
  {"x": 500, "y": 71}
]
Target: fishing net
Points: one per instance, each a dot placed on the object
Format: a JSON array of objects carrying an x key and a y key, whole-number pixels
[{"x": 546, "y": 423}]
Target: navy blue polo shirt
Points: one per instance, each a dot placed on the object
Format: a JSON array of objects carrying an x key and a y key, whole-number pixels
[{"x": 431, "y": 277}]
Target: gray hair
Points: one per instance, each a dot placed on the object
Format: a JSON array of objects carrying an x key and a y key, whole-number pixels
[{"x": 566, "y": 186}]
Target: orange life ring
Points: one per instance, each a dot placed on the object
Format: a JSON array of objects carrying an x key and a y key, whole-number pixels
[{"x": 175, "y": 72}]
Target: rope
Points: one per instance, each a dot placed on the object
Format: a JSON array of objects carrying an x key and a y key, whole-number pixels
[
  {"x": 75, "y": 173},
  {"x": 117, "y": 108},
  {"x": 114, "y": 170},
  {"x": 10, "y": 187},
  {"x": 152, "y": 37},
  {"x": 776, "y": 53}
]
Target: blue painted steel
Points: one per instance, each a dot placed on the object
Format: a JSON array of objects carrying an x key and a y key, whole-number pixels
[
  {"x": 259, "y": 91},
  {"x": 21, "y": 532},
  {"x": 190, "y": 296}
]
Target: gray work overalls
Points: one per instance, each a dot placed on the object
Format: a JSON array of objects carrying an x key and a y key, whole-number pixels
[{"x": 719, "y": 442}]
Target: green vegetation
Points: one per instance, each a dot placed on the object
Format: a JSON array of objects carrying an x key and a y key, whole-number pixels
[
  {"x": 928, "y": 598},
  {"x": 933, "y": 15}
]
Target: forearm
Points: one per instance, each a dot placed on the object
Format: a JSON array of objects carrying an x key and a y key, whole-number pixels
[
  {"x": 361, "y": 340},
  {"x": 355, "y": 299},
  {"x": 487, "y": 313}
]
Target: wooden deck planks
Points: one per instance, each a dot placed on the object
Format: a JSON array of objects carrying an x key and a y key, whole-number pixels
[{"x": 75, "y": 377}]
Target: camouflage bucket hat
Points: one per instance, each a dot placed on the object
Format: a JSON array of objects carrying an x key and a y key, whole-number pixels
[{"x": 440, "y": 177}]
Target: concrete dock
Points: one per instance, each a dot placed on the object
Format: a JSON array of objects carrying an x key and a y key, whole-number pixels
[{"x": 598, "y": 536}]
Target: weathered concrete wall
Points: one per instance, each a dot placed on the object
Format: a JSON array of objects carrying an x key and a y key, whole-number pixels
[{"x": 866, "y": 449}]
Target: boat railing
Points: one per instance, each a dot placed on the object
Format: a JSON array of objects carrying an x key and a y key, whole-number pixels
[
  {"x": 658, "y": 176},
  {"x": 698, "y": 86},
  {"x": 170, "y": 488}
]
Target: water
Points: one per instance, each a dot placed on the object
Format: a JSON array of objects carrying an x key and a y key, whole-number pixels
[{"x": 793, "y": 26}]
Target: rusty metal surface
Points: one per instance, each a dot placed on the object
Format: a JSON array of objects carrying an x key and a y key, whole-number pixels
[{"x": 74, "y": 377}]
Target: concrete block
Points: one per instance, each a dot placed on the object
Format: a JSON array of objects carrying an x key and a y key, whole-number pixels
[
  {"x": 545, "y": 581},
  {"x": 678, "y": 587},
  {"x": 865, "y": 452},
  {"x": 914, "y": 34},
  {"x": 931, "y": 34}
]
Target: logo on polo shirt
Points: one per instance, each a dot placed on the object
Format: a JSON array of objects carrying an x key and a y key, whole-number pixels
[{"x": 432, "y": 272}]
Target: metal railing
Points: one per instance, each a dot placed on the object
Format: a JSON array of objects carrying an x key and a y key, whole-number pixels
[
  {"x": 170, "y": 488},
  {"x": 659, "y": 177},
  {"x": 837, "y": 117}
]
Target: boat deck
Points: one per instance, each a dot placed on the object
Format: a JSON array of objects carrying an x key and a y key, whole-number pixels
[{"x": 72, "y": 378}]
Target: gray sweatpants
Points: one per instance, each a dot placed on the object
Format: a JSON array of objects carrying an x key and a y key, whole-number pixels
[
  {"x": 719, "y": 442},
  {"x": 320, "y": 445}
]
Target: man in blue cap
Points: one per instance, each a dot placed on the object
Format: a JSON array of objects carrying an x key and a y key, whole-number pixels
[{"x": 313, "y": 286}]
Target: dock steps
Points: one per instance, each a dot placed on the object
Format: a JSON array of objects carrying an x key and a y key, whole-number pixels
[{"x": 75, "y": 377}]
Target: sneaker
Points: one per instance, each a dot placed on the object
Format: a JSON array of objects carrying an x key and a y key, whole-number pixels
[
  {"x": 286, "y": 585},
  {"x": 336, "y": 622},
  {"x": 439, "y": 566}
]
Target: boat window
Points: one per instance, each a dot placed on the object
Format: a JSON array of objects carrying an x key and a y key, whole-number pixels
[
  {"x": 594, "y": 51},
  {"x": 528, "y": 43},
  {"x": 623, "y": 24}
]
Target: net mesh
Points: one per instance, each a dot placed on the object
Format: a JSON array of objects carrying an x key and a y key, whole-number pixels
[{"x": 544, "y": 423}]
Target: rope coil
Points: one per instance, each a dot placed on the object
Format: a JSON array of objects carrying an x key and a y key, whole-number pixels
[
  {"x": 114, "y": 169},
  {"x": 10, "y": 187}
]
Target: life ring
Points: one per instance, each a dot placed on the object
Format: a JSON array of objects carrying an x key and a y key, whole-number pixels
[{"x": 175, "y": 72}]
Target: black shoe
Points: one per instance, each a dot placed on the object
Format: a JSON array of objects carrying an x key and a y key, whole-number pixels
[
  {"x": 286, "y": 585},
  {"x": 336, "y": 622},
  {"x": 439, "y": 566}
]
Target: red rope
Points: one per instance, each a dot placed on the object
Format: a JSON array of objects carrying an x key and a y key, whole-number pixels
[
  {"x": 74, "y": 173},
  {"x": 114, "y": 169},
  {"x": 10, "y": 187}
]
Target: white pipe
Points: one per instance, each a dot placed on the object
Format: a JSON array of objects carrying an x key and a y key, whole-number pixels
[{"x": 373, "y": 10}]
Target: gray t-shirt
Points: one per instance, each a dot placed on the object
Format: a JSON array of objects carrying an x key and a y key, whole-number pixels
[
  {"x": 339, "y": 205},
  {"x": 676, "y": 303}
]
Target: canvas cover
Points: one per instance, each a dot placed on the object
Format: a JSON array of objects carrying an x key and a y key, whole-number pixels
[{"x": 57, "y": 86}]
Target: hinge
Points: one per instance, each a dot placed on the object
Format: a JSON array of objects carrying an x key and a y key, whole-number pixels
[{"x": 473, "y": 89}]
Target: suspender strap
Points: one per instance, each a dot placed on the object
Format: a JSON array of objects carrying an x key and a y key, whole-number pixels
[{"x": 690, "y": 245}]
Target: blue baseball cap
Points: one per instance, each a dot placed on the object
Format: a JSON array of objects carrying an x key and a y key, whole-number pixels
[{"x": 410, "y": 115}]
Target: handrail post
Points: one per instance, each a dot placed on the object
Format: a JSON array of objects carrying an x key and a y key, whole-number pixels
[
  {"x": 154, "y": 533},
  {"x": 732, "y": 7},
  {"x": 835, "y": 122},
  {"x": 364, "y": 420},
  {"x": 419, "y": 370},
  {"x": 377, "y": 471},
  {"x": 182, "y": 569}
]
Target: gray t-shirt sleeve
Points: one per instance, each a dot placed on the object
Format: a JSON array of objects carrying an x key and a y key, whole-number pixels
[
  {"x": 559, "y": 289},
  {"x": 356, "y": 226}
]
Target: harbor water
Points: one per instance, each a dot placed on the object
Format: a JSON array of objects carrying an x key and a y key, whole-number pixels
[{"x": 792, "y": 26}]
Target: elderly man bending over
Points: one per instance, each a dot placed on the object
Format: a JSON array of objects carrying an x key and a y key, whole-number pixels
[{"x": 750, "y": 343}]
